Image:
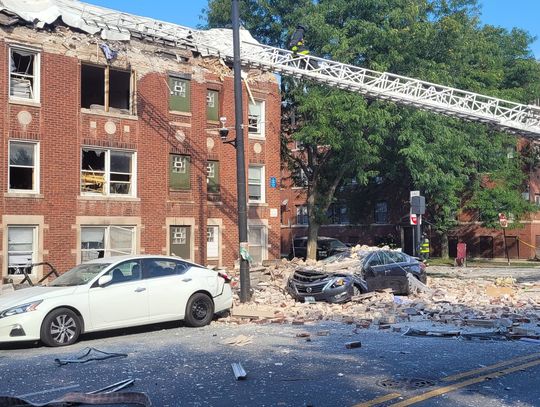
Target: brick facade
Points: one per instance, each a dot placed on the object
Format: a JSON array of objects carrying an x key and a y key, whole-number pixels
[{"x": 60, "y": 129}]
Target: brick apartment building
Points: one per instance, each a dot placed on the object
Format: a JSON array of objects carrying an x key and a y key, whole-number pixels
[{"x": 105, "y": 154}]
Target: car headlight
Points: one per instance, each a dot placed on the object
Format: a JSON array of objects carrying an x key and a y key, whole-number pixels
[
  {"x": 20, "y": 309},
  {"x": 340, "y": 281}
]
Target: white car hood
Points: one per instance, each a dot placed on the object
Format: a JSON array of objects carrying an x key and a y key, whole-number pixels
[{"x": 26, "y": 295}]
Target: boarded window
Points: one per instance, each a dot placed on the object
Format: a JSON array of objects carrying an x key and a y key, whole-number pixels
[
  {"x": 23, "y": 74},
  {"x": 23, "y": 168},
  {"x": 179, "y": 172},
  {"x": 180, "y": 94},
  {"x": 212, "y": 177},
  {"x": 212, "y": 105}
]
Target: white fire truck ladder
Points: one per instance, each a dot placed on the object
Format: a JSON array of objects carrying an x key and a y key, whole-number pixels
[{"x": 501, "y": 114}]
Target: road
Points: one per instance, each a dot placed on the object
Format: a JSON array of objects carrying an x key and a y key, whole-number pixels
[{"x": 178, "y": 366}]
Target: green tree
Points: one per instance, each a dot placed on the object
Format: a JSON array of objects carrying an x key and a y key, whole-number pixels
[{"x": 347, "y": 137}]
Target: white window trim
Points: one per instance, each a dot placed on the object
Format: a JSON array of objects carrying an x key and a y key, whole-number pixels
[
  {"x": 36, "y": 177},
  {"x": 107, "y": 176},
  {"x": 262, "y": 122},
  {"x": 263, "y": 185},
  {"x": 37, "y": 73}
]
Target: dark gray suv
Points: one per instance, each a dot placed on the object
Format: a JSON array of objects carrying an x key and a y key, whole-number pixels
[{"x": 326, "y": 247}]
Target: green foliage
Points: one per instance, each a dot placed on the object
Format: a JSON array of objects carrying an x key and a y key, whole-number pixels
[{"x": 441, "y": 41}]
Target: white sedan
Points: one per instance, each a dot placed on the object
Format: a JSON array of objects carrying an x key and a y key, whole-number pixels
[{"x": 114, "y": 292}]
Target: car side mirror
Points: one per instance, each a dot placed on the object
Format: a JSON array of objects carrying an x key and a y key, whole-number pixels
[{"x": 104, "y": 280}]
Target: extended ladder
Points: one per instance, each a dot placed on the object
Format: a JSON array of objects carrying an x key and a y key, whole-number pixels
[{"x": 502, "y": 114}]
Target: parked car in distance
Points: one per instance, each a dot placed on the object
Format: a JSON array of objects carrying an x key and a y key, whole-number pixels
[
  {"x": 326, "y": 247},
  {"x": 366, "y": 271},
  {"x": 114, "y": 292}
]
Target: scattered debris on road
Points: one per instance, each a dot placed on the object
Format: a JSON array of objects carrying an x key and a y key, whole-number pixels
[
  {"x": 240, "y": 340},
  {"x": 238, "y": 371},
  {"x": 90, "y": 354}
]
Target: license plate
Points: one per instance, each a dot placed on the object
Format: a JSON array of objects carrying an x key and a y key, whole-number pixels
[{"x": 310, "y": 300}]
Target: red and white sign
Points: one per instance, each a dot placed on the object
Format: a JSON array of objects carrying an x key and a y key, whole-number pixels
[
  {"x": 503, "y": 220},
  {"x": 413, "y": 218}
]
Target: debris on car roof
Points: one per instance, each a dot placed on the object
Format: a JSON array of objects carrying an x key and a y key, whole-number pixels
[{"x": 444, "y": 301}]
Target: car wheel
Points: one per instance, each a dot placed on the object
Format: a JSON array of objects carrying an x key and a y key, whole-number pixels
[
  {"x": 356, "y": 290},
  {"x": 60, "y": 327},
  {"x": 199, "y": 310}
]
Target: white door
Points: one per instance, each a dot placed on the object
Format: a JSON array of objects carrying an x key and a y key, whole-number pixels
[
  {"x": 123, "y": 302},
  {"x": 169, "y": 288}
]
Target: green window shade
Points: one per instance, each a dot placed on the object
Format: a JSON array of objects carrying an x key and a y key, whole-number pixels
[
  {"x": 180, "y": 91},
  {"x": 212, "y": 103},
  {"x": 212, "y": 177},
  {"x": 179, "y": 172}
]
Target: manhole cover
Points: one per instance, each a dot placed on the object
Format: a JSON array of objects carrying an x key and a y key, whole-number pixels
[{"x": 413, "y": 383}]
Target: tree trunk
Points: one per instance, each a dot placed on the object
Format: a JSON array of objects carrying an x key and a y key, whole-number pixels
[
  {"x": 444, "y": 245},
  {"x": 313, "y": 233}
]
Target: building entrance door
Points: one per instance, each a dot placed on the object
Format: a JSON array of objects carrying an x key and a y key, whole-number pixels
[{"x": 180, "y": 241}]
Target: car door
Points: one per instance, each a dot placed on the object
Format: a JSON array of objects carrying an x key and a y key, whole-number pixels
[
  {"x": 374, "y": 271},
  {"x": 122, "y": 302},
  {"x": 396, "y": 270},
  {"x": 169, "y": 288}
]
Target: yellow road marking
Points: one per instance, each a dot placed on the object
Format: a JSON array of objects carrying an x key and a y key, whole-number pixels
[
  {"x": 492, "y": 367},
  {"x": 456, "y": 386},
  {"x": 378, "y": 400}
]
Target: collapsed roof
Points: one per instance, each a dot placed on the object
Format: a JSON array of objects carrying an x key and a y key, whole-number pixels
[{"x": 115, "y": 25}]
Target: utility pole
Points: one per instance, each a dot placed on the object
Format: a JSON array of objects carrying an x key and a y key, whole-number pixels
[{"x": 245, "y": 292}]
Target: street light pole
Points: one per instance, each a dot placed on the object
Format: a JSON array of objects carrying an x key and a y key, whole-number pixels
[{"x": 245, "y": 293}]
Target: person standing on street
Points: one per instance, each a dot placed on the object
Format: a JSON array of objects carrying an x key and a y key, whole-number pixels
[{"x": 424, "y": 248}]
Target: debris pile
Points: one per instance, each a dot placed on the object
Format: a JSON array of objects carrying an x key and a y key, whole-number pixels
[{"x": 487, "y": 303}]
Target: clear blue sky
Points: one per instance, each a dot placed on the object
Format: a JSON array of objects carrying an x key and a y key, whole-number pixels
[{"x": 506, "y": 13}]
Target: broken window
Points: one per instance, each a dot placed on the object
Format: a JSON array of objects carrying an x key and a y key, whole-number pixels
[
  {"x": 179, "y": 172},
  {"x": 256, "y": 118},
  {"x": 23, "y": 168},
  {"x": 212, "y": 105},
  {"x": 107, "y": 172},
  {"x": 106, "y": 89},
  {"x": 24, "y": 74},
  {"x": 212, "y": 177},
  {"x": 104, "y": 241},
  {"x": 21, "y": 247}
]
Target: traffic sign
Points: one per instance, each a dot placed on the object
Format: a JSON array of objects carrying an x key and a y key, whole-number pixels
[
  {"x": 503, "y": 220},
  {"x": 413, "y": 218}
]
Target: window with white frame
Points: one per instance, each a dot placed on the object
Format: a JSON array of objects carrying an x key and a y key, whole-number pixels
[
  {"x": 256, "y": 118},
  {"x": 23, "y": 166},
  {"x": 104, "y": 241},
  {"x": 212, "y": 241},
  {"x": 107, "y": 172},
  {"x": 302, "y": 215},
  {"x": 24, "y": 74},
  {"x": 21, "y": 247},
  {"x": 256, "y": 183},
  {"x": 257, "y": 238}
]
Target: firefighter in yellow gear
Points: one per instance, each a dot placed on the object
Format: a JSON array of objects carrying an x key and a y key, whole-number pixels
[
  {"x": 424, "y": 248},
  {"x": 298, "y": 47}
]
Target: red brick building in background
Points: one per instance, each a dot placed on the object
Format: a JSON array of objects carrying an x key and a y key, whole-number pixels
[{"x": 122, "y": 155}]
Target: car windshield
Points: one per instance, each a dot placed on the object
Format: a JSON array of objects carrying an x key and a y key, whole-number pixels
[
  {"x": 337, "y": 244},
  {"x": 79, "y": 275}
]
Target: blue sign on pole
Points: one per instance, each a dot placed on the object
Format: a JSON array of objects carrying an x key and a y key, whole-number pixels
[{"x": 273, "y": 182}]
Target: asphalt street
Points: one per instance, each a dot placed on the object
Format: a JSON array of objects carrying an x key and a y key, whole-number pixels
[{"x": 179, "y": 366}]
